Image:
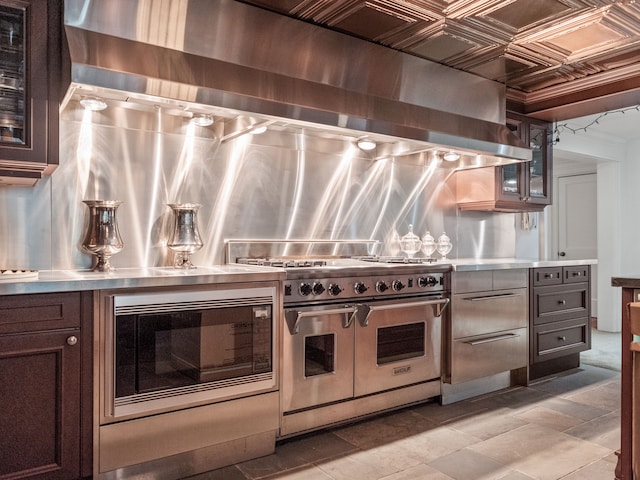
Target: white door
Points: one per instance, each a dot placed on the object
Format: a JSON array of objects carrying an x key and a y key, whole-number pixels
[{"x": 577, "y": 220}]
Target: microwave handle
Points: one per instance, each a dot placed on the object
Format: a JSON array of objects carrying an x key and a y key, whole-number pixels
[
  {"x": 293, "y": 317},
  {"x": 438, "y": 305}
]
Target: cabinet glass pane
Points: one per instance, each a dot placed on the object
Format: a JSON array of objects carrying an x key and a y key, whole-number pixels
[
  {"x": 12, "y": 74},
  {"x": 510, "y": 178},
  {"x": 536, "y": 166}
]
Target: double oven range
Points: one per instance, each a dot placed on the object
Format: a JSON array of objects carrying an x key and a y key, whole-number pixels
[{"x": 360, "y": 334}]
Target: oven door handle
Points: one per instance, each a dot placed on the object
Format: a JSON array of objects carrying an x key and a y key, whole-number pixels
[
  {"x": 293, "y": 317},
  {"x": 438, "y": 305}
]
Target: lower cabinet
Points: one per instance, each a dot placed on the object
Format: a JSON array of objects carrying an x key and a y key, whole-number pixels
[
  {"x": 560, "y": 318},
  {"x": 45, "y": 400}
]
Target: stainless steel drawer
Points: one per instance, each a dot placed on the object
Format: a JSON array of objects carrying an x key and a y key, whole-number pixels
[
  {"x": 487, "y": 312},
  {"x": 484, "y": 355}
]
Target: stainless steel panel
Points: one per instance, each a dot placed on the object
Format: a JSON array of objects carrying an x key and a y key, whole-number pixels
[
  {"x": 136, "y": 441},
  {"x": 485, "y": 355},
  {"x": 297, "y": 186},
  {"x": 512, "y": 278},
  {"x": 481, "y": 313},
  {"x": 464, "y": 282},
  {"x": 484, "y": 280}
]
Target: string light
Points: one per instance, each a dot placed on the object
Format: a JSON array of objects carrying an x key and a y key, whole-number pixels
[{"x": 559, "y": 128}]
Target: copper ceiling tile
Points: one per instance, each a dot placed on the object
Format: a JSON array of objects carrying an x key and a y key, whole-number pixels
[
  {"x": 368, "y": 22},
  {"x": 522, "y": 13},
  {"x": 586, "y": 37},
  {"x": 439, "y": 47},
  {"x": 499, "y": 68},
  {"x": 283, "y": 6}
]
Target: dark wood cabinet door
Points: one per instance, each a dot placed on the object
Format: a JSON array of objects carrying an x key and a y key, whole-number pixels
[
  {"x": 40, "y": 405},
  {"x": 30, "y": 45}
]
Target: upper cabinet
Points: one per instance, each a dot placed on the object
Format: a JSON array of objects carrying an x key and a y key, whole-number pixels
[
  {"x": 30, "y": 65},
  {"x": 518, "y": 187}
]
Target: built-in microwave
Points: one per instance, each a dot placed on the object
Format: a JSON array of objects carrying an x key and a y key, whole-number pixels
[{"x": 165, "y": 350}]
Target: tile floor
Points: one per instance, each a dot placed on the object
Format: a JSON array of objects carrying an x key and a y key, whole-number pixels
[{"x": 564, "y": 427}]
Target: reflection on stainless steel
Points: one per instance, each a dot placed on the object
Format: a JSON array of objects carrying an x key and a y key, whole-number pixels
[
  {"x": 211, "y": 53},
  {"x": 103, "y": 237},
  {"x": 185, "y": 238}
]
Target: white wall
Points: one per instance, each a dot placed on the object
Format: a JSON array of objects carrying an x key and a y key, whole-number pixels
[{"x": 618, "y": 168}]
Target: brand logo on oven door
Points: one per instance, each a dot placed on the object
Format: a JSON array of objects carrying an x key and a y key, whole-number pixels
[{"x": 401, "y": 370}]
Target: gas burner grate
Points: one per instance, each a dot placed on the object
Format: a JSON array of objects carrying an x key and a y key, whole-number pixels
[
  {"x": 283, "y": 262},
  {"x": 396, "y": 259}
]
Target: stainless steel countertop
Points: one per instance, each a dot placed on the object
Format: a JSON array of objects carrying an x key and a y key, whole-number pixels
[
  {"x": 465, "y": 265},
  {"x": 48, "y": 281}
]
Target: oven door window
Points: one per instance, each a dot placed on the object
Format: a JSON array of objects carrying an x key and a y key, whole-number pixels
[
  {"x": 319, "y": 354},
  {"x": 158, "y": 351},
  {"x": 400, "y": 342}
]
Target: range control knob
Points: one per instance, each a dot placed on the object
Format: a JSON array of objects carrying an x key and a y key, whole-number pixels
[
  {"x": 318, "y": 289},
  {"x": 360, "y": 288},
  {"x": 382, "y": 286},
  {"x": 427, "y": 281},
  {"x": 397, "y": 285},
  {"x": 304, "y": 289},
  {"x": 334, "y": 289}
]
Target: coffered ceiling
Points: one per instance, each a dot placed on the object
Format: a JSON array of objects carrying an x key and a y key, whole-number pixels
[{"x": 559, "y": 59}]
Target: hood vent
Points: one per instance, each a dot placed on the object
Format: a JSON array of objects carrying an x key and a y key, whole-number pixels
[{"x": 229, "y": 55}]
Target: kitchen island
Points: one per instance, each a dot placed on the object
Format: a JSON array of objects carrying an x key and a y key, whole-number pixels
[{"x": 628, "y": 456}]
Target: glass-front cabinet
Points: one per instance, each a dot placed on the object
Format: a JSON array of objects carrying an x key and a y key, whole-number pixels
[
  {"x": 528, "y": 182},
  {"x": 517, "y": 187},
  {"x": 30, "y": 62}
]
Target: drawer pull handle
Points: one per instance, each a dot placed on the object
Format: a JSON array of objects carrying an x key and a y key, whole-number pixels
[
  {"x": 562, "y": 302},
  {"x": 562, "y": 338},
  {"x": 493, "y": 339},
  {"x": 493, "y": 297}
]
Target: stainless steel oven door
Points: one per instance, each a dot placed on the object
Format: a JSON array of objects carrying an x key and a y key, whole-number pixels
[
  {"x": 317, "y": 356},
  {"x": 398, "y": 343}
]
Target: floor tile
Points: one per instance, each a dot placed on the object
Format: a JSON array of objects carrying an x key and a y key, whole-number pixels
[
  {"x": 419, "y": 472},
  {"x": 541, "y": 452},
  {"x": 600, "y": 470},
  {"x": 603, "y": 431},
  {"x": 385, "y": 429},
  {"x": 468, "y": 464},
  {"x": 549, "y": 418},
  {"x": 605, "y": 396},
  {"x": 488, "y": 424}
]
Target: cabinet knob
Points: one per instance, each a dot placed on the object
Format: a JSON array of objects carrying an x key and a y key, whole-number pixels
[
  {"x": 72, "y": 340},
  {"x": 562, "y": 302},
  {"x": 562, "y": 338},
  {"x": 577, "y": 274}
]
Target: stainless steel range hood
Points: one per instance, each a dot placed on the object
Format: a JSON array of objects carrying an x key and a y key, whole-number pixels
[{"x": 225, "y": 54}]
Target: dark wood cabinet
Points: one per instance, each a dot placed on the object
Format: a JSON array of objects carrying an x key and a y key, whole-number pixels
[
  {"x": 517, "y": 187},
  {"x": 560, "y": 318},
  {"x": 30, "y": 69},
  {"x": 45, "y": 380}
]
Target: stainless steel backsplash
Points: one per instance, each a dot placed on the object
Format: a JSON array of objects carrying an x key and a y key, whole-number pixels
[{"x": 279, "y": 185}]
